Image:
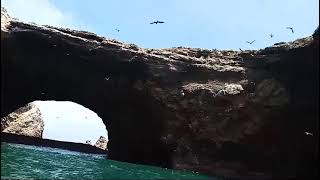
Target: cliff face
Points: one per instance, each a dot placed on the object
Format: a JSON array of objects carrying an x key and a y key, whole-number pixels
[
  {"x": 101, "y": 143},
  {"x": 25, "y": 121},
  {"x": 218, "y": 112}
]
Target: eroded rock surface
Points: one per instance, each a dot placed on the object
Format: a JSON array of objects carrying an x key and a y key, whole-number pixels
[
  {"x": 102, "y": 143},
  {"x": 217, "y": 112},
  {"x": 25, "y": 121}
]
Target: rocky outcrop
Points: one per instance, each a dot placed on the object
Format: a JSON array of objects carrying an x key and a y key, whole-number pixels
[
  {"x": 217, "y": 112},
  {"x": 102, "y": 143},
  {"x": 25, "y": 121},
  {"x": 28, "y": 140}
]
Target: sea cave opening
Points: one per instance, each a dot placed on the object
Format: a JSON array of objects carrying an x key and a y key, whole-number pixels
[
  {"x": 71, "y": 122},
  {"x": 64, "y": 121},
  {"x": 46, "y": 68}
]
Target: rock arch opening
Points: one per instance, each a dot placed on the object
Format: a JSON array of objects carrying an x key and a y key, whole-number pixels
[
  {"x": 68, "y": 121},
  {"x": 57, "y": 120},
  {"x": 47, "y": 67}
]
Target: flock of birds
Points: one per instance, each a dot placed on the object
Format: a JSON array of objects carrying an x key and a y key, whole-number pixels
[
  {"x": 271, "y": 36},
  {"x": 249, "y": 42}
]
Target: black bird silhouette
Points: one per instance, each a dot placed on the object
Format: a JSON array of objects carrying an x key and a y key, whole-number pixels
[
  {"x": 156, "y": 22},
  {"x": 117, "y": 30},
  {"x": 251, "y": 41},
  {"x": 271, "y": 35},
  {"x": 291, "y": 28},
  {"x": 240, "y": 49}
]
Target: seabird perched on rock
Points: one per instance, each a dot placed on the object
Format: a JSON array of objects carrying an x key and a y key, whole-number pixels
[
  {"x": 291, "y": 28},
  {"x": 156, "y": 22},
  {"x": 251, "y": 41}
]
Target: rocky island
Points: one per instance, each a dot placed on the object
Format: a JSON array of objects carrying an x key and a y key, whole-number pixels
[
  {"x": 101, "y": 143},
  {"x": 25, "y": 121},
  {"x": 218, "y": 112}
]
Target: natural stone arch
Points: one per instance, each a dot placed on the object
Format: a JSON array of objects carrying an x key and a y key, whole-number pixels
[
  {"x": 178, "y": 107},
  {"x": 46, "y": 75}
]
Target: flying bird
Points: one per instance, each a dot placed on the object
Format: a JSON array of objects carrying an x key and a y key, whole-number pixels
[
  {"x": 117, "y": 30},
  {"x": 251, "y": 41},
  {"x": 271, "y": 35},
  {"x": 156, "y": 22},
  {"x": 291, "y": 28},
  {"x": 240, "y": 49},
  {"x": 308, "y": 133}
]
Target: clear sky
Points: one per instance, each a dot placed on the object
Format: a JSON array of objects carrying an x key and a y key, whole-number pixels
[
  {"x": 68, "y": 121},
  {"x": 220, "y": 24}
]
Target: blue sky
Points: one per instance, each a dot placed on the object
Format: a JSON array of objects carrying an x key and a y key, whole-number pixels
[{"x": 223, "y": 24}]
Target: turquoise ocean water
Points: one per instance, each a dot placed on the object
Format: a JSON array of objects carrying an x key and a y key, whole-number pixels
[{"x": 25, "y": 161}]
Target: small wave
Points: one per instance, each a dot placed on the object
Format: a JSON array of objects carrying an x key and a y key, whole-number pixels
[
  {"x": 33, "y": 162},
  {"x": 57, "y": 150}
]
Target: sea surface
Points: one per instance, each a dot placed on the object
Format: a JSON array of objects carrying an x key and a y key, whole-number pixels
[{"x": 24, "y": 162}]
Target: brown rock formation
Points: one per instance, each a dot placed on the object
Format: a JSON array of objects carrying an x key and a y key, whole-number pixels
[
  {"x": 101, "y": 143},
  {"x": 25, "y": 121},
  {"x": 218, "y": 112}
]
